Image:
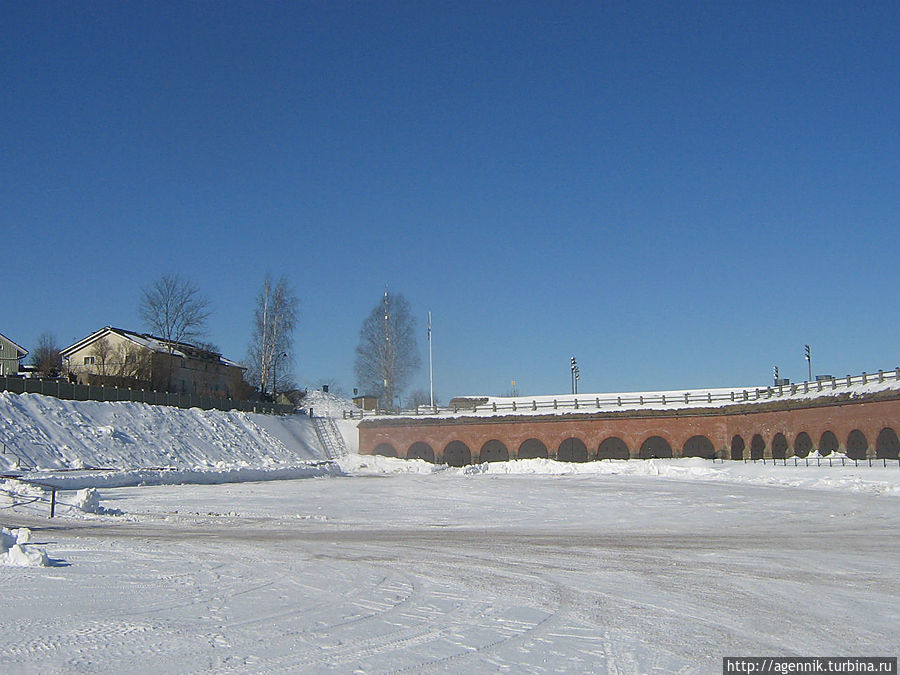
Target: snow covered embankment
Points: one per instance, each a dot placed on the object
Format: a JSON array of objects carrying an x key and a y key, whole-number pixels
[{"x": 40, "y": 432}]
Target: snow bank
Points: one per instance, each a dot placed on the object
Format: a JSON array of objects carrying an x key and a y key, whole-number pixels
[
  {"x": 15, "y": 551},
  {"x": 876, "y": 479},
  {"x": 79, "y": 480},
  {"x": 88, "y": 501},
  {"x": 373, "y": 465}
]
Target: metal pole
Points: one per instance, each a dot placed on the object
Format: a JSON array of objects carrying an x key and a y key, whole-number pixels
[{"x": 430, "y": 364}]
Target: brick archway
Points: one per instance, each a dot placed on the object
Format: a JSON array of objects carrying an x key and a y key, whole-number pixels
[
  {"x": 803, "y": 444},
  {"x": 494, "y": 451},
  {"x": 779, "y": 446},
  {"x": 737, "y": 447},
  {"x": 739, "y": 431},
  {"x": 857, "y": 445},
  {"x": 698, "y": 446},
  {"x": 888, "y": 445},
  {"x": 457, "y": 453},
  {"x": 420, "y": 450},
  {"x": 828, "y": 443},
  {"x": 572, "y": 450},
  {"x": 612, "y": 448},
  {"x": 386, "y": 450},
  {"x": 655, "y": 446},
  {"x": 757, "y": 447},
  {"x": 532, "y": 449}
]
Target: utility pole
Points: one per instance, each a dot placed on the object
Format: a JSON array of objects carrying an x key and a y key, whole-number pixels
[{"x": 430, "y": 364}]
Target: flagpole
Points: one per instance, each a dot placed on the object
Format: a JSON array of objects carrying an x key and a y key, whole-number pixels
[{"x": 430, "y": 363}]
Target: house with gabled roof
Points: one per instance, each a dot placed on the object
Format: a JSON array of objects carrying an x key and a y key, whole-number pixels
[
  {"x": 10, "y": 356},
  {"x": 118, "y": 357}
]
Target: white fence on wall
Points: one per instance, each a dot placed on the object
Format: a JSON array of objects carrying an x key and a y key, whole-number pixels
[{"x": 826, "y": 386}]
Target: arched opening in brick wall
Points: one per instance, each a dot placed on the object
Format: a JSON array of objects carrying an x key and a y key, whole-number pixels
[
  {"x": 737, "y": 447},
  {"x": 612, "y": 448},
  {"x": 385, "y": 449},
  {"x": 698, "y": 446},
  {"x": 532, "y": 449},
  {"x": 420, "y": 450},
  {"x": 803, "y": 445},
  {"x": 828, "y": 443},
  {"x": 572, "y": 450},
  {"x": 655, "y": 446},
  {"x": 857, "y": 445},
  {"x": 757, "y": 447},
  {"x": 887, "y": 446},
  {"x": 457, "y": 453},
  {"x": 493, "y": 451},
  {"x": 779, "y": 446}
]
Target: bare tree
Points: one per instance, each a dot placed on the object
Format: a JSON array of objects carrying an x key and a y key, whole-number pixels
[
  {"x": 271, "y": 343},
  {"x": 46, "y": 358},
  {"x": 388, "y": 354},
  {"x": 104, "y": 357},
  {"x": 421, "y": 398},
  {"x": 132, "y": 362},
  {"x": 174, "y": 310}
]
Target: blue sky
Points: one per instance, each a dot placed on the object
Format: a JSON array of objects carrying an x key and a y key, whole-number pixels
[{"x": 680, "y": 194}]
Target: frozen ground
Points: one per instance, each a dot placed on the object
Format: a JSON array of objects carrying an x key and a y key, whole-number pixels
[
  {"x": 638, "y": 567},
  {"x": 378, "y": 565}
]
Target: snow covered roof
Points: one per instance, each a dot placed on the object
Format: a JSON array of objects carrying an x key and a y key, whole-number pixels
[{"x": 153, "y": 343}]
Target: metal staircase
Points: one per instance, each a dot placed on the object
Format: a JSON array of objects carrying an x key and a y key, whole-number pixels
[{"x": 329, "y": 437}]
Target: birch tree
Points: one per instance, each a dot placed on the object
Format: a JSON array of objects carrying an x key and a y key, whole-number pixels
[
  {"x": 271, "y": 342},
  {"x": 388, "y": 354}
]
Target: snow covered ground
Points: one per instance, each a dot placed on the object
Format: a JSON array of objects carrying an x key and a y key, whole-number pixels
[
  {"x": 376, "y": 565},
  {"x": 522, "y": 567}
]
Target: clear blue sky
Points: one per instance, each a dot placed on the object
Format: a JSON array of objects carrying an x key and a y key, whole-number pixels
[{"x": 680, "y": 194}]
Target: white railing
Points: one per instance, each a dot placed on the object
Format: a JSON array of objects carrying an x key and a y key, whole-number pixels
[
  {"x": 665, "y": 399},
  {"x": 329, "y": 437}
]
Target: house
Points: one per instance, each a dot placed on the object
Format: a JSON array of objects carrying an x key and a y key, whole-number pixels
[
  {"x": 366, "y": 402},
  {"x": 118, "y": 357},
  {"x": 10, "y": 355}
]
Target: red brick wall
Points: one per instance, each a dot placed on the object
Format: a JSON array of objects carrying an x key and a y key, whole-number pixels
[{"x": 868, "y": 416}]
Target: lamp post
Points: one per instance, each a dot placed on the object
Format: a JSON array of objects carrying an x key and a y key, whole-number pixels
[
  {"x": 575, "y": 375},
  {"x": 275, "y": 374}
]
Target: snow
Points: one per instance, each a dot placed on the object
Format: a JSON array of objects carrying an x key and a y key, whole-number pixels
[
  {"x": 44, "y": 432},
  {"x": 16, "y": 552},
  {"x": 372, "y": 564}
]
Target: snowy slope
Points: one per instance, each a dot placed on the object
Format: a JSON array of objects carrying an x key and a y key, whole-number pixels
[{"x": 43, "y": 432}]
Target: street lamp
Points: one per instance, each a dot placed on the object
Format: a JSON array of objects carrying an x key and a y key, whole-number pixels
[
  {"x": 575, "y": 375},
  {"x": 275, "y": 373}
]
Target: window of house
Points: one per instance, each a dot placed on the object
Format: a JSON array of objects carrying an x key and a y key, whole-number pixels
[{"x": 89, "y": 360}]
